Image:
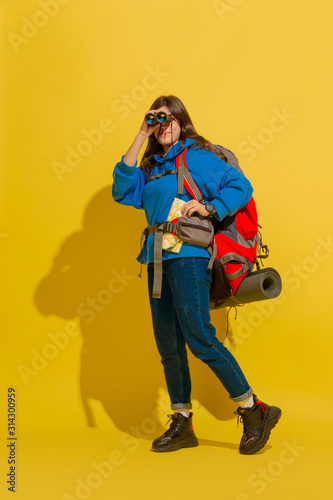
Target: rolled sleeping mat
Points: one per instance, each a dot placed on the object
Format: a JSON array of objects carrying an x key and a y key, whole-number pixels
[{"x": 258, "y": 285}]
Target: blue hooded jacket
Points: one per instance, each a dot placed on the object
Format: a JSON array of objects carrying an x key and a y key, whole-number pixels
[{"x": 220, "y": 184}]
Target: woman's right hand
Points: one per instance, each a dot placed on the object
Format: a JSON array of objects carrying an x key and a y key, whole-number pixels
[
  {"x": 146, "y": 130},
  {"x": 130, "y": 158}
]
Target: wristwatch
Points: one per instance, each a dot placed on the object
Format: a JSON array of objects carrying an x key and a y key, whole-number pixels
[{"x": 210, "y": 208}]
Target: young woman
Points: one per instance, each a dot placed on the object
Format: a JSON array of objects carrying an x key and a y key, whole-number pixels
[{"x": 181, "y": 316}]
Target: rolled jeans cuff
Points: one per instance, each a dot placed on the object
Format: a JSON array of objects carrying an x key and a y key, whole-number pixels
[
  {"x": 246, "y": 395},
  {"x": 179, "y": 406}
]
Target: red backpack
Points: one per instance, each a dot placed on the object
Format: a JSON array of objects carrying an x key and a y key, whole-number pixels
[{"x": 235, "y": 237}]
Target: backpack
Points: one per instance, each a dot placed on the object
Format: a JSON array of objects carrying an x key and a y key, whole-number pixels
[{"x": 232, "y": 242}]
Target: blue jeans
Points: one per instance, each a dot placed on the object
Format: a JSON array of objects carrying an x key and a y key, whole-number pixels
[{"x": 182, "y": 316}]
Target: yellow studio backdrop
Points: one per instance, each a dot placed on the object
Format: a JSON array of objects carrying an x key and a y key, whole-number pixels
[{"x": 77, "y": 344}]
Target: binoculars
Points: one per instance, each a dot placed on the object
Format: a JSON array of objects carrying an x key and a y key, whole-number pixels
[{"x": 160, "y": 117}]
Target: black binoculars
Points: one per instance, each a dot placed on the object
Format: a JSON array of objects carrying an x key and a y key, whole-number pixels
[{"x": 160, "y": 117}]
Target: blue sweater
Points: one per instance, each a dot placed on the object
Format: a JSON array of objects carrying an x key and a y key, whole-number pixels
[{"x": 220, "y": 184}]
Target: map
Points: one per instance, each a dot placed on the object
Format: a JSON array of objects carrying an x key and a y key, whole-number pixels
[{"x": 170, "y": 241}]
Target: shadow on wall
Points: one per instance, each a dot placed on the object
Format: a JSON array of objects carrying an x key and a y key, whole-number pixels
[{"x": 120, "y": 365}]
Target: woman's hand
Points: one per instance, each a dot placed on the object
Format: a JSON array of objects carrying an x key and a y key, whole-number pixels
[
  {"x": 130, "y": 158},
  {"x": 194, "y": 206},
  {"x": 146, "y": 130}
]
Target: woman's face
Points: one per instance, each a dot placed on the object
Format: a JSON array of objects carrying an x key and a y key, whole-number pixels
[{"x": 165, "y": 137}]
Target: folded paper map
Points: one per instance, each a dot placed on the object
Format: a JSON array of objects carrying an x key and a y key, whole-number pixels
[{"x": 170, "y": 241}]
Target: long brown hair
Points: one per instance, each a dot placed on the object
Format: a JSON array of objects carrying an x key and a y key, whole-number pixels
[{"x": 188, "y": 131}]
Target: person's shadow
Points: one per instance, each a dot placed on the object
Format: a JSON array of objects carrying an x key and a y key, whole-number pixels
[{"x": 91, "y": 279}]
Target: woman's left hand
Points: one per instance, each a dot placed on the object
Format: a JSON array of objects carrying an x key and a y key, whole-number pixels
[{"x": 194, "y": 206}]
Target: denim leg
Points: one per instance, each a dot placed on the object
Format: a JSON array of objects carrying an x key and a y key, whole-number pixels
[
  {"x": 189, "y": 282},
  {"x": 171, "y": 344}
]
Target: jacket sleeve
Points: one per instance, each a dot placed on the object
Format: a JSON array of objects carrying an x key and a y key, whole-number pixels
[
  {"x": 228, "y": 189},
  {"x": 128, "y": 184}
]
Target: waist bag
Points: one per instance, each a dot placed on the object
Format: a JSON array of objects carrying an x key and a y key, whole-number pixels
[
  {"x": 195, "y": 230},
  {"x": 231, "y": 242}
]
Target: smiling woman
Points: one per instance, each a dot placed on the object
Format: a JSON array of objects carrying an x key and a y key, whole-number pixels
[
  {"x": 181, "y": 311},
  {"x": 181, "y": 120}
]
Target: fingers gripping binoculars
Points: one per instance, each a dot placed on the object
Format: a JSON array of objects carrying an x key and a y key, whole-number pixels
[{"x": 160, "y": 117}]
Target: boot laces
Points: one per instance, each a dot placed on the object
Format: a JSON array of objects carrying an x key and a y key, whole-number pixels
[
  {"x": 173, "y": 419},
  {"x": 244, "y": 417},
  {"x": 241, "y": 417}
]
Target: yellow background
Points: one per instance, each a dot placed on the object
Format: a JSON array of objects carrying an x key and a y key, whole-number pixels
[{"x": 71, "y": 66}]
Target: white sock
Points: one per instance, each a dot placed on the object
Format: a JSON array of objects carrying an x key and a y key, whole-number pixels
[
  {"x": 184, "y": 412},
  {"x": 247, "y": 404}
]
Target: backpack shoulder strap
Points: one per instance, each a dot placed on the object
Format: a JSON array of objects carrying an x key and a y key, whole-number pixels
[
  {"x": 166, "y": 172},
  {"x": 185, "y": 178}
]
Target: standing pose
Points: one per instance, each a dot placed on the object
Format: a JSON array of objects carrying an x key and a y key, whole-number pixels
[{"x": 181, "y": 316}]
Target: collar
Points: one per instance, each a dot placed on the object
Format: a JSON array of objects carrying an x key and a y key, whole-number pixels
[{"x": 175, "y": 150}]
